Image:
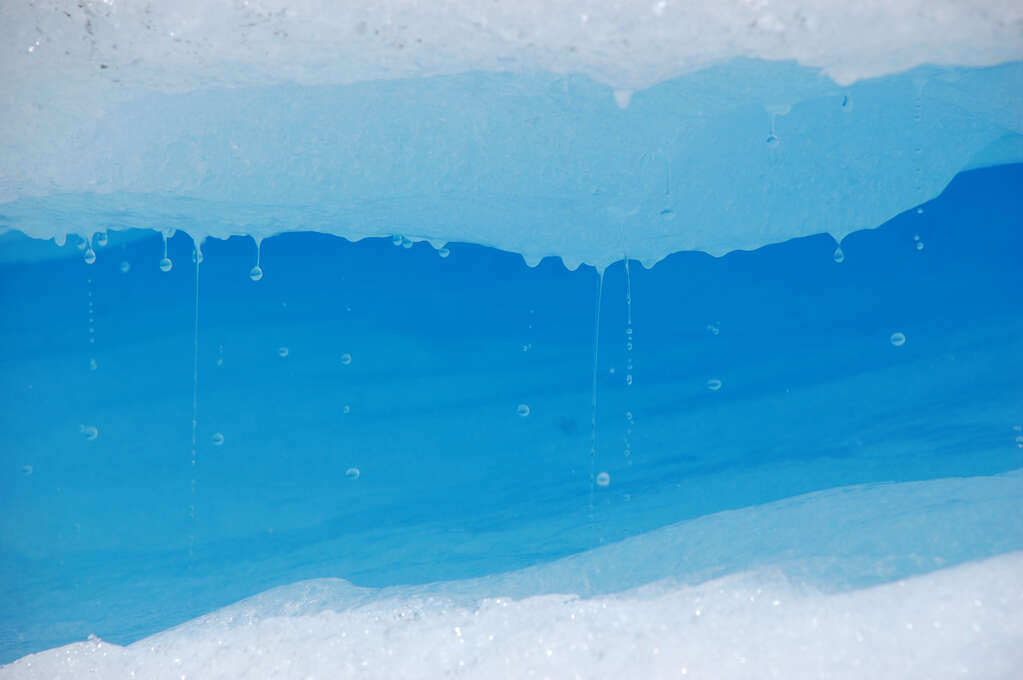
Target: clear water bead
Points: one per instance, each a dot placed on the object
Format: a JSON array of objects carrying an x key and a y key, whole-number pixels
[
  {"x": 838, "y": 255},
  {"x": 256, "y": 273},
  {"x": 125, "y": 267},
  {"x": 603, "y": 479},
  {"x": 166, "y": 264},
  {"x": 898, "y": 339},
  {"x": 90, "y": 431},
  {"x": 397, "y": 239},
  {"x": 346, "y": 358},
  {"x": 919, "y": 245},
  {"x": 218, "y": 439},
  {"x": 90, "y": 256},
  {"x": 713, "y": 384},
  {"x": 352, "y": 473},
  {"x": 522, "y": 410},
  {"x": 282, "y": 352},
  {"x": 443, "y": 252}
]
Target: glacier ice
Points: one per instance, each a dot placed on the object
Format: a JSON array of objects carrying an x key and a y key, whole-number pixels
[{"x": 745, "y": 123}]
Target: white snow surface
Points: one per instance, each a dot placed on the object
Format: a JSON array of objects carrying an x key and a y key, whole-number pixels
[
  {"x": 794, "y": 612},
  {"x": 748, "y": 122}
]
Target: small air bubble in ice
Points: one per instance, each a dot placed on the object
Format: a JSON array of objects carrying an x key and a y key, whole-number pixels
[
  {"x": 282, "y": 352},
  {"x": 838, "y": 255},
  {"x": 898, "y": 339},
  {"x": 603, "y": 479},
  {"x": 522, "y": 410},
  {"x": 256, "y": 273},
  {"x": 218, "y": 439},
  {"x": 346, "y": 358},
  {"x": 166, "y": 264},
  {"x": 443, "y": 252},
  {"x": 352, "y": 473},
  {"x": 90, "y": 431},
  {"x": 90, "y": 256},
  {"x": 713, "y": 384}
]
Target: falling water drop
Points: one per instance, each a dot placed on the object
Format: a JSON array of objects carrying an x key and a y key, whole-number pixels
[
  {"x": 522, "y": 410},
  {"x": 919, "y": 245},
  {"x": 847, "y": 104},
  {"x": 346, "y": 358},
  {"x": 898, "y": 339},
  {"x": 397, "y": 239},
  {"x": 256, "y": 273},
  {"x": 90, "y": 431},
  {"x": 443, "y": 252},
  {"x": 347, "y": 409},
  {"x": 838, "y": 255},
  {"x": 282, "y": 352},
  {"x": 772, "y": 140},
  {"x": 102, "y": 239},
  {"x": 90, "y": 255},
  {"x": 125, "y": 267},
  {"x": 713, "y": 384},
  {"x": 603, "y": 479},
  {"x": 352, "y": 473},
  {"x": 218, "y": 439},
  {"x": 93, "y": 365},
  {"x": 166, "y": 264}
]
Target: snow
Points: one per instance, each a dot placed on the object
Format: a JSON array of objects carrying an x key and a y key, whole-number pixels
[
  {"x": 606, "y": 128},
  {"x": 774, "y": 619}
]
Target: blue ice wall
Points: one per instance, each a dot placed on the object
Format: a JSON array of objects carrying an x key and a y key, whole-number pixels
[{"x": 121, "y": 531}]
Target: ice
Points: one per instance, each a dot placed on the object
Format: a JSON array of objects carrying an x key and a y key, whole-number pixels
[
  {"x": 607, "y": 129},
  {"x": 791, "y": 612}
]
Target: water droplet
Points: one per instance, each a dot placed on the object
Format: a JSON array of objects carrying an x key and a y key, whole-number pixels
[
  {"x": 667, "y": 214},
  {"x": 93, "y": 365},
  {"x": 397, "y": 239},
  {"x": 919, "y": 211},
  {"x": 26, "y": 470},
  {"x": 352, "y": 473},
  {"x": 522, "y": 410},
  {"x": 101, "y": 239},
  {"x": 628, "y": 379},
  {"x": 525, "y": 348},
  {"x": 628, "y": 331},
  {"x": 282, "y": 352},
  {"x": 898, "y": 339},
  {"x": 347, "y": 409},
  {"x": 714, "y": 328},
  {"x": 603, "y": 479},
  {"x": 622, "y": 98},
  {"x": 125, "y": 266},
  {"x": 407, "y": 243},
  {"x": 218, "y": 439},
  {"x": 713, "y": 384},
  {"x": 166, "y": 264},
  {"x": 838, "y": 255},
  {"x": 346, "y": 358},
  {"x": 847, "y": 104},
  {"x": 90, "y": 256},
  {"x": 443, "y": 252},
  {"x": 919, "y": 245},
  {"x": 256, "y": 273},
  {"x": 90, "y": 431},
  {"x": 772, "y": 140}
]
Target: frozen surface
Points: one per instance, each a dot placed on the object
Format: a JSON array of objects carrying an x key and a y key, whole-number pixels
[
  {"x": 777, "y": 619},
  {"x": 502, "y": 124}
]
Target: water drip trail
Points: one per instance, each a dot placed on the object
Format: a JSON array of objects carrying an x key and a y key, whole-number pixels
[
  {"x": 628, "y": 362},
  {"x": 593, "y": 403}
]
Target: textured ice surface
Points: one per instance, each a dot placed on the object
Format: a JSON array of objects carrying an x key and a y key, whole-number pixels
[
  {"x": 751, "y": 122},
  {"x": 778, "y": 619}
]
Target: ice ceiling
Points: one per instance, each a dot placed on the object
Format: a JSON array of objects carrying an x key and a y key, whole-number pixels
[{"x": 586, "y": 130}]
